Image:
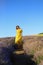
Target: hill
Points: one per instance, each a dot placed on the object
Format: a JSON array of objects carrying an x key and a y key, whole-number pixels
[{"x": 32, "y": 55}]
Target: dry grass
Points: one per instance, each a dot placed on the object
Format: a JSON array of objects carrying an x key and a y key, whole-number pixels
[
  {"x": 38, "y": 56},
  {"x": 19, "y": 52},
  {"x": 41, "y": 63},
  {"x": 34, "y": 46}
]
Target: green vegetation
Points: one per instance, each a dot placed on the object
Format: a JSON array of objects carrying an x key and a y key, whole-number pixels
[
  {"x": 40, "y": 33},
  {"x": 32, "y": 52},
  {"x": 38, "y": 60}
]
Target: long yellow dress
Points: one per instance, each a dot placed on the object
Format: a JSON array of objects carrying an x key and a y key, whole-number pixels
[{"x": 18, "y": 38}]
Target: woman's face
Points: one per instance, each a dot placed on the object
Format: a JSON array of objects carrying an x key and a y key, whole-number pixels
[{"x": 17, "y": 28}]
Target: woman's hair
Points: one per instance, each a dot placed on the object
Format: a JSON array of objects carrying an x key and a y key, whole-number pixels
[{"x": 17, "y": 27}]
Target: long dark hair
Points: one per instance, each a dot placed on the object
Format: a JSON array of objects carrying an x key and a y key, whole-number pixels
[{"x": 17, "y": 27}]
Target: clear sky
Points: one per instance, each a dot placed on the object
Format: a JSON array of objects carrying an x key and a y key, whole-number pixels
[{"x": 28, "y": 14}]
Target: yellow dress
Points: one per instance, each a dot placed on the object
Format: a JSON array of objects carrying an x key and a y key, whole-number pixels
[{"x": 18, "y": 38}]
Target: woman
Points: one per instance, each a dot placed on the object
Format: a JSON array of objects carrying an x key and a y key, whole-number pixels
[{"x": 18, "y": 37}]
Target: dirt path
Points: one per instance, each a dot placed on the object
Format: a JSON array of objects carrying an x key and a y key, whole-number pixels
[{"x": 20, "y": 58}]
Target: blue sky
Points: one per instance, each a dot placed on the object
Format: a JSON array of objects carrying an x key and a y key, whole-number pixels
[{"x": 28, "y": 14}]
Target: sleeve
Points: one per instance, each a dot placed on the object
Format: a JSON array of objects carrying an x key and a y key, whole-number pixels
[{"x": 21, "y": 31}]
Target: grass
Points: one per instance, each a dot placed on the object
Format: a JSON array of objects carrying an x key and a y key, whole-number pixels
[
  {"x": 38, "y": 60},
  {"x": 37, "y": 35},
  {"x": 32, "y": 52},
  {"x": 40, "y": 35}
]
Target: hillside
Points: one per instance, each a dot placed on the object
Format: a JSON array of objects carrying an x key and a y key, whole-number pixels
[{"x": 32, "y": 53}]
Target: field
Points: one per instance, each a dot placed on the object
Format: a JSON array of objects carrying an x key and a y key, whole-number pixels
[{"x": 32, "y": 53}]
